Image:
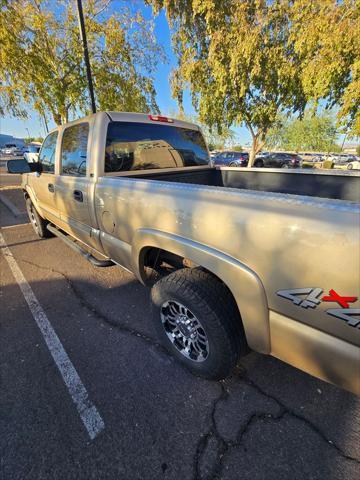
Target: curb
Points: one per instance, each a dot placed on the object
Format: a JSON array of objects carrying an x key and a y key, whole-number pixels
[{"x": 13, "y": 209}]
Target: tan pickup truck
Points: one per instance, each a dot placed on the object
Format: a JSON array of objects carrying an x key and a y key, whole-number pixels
[{"x": 237, "y": 258}]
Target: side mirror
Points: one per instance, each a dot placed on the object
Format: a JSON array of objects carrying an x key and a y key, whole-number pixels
[{"x": 22, "y": 166}]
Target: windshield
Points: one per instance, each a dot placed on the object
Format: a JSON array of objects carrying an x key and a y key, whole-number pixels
[{"x": 141, "y": 146}]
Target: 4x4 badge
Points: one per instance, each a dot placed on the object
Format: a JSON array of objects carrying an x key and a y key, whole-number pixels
[
  {"x": 313, "y": 298},
  {"x": 310, "y": 301}
]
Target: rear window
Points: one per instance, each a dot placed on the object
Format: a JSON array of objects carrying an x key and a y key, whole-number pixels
[{"x": 142, "y": 146}]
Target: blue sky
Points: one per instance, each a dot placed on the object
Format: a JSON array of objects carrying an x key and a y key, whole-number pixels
[{"x": 33, "y": 126}]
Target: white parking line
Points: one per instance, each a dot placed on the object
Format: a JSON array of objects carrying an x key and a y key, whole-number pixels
[
  {"x": 15, "y": 225},
  {"x": 91, "y": 418}
]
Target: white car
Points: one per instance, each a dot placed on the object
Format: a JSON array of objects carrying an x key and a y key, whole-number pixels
[
  {"x": 354, "y": 165},
  {"x": 32, "y": 153},
  {"x": 11, "y": 149}
]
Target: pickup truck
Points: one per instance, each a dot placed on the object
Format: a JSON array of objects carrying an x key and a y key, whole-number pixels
[{"x": 236, "y": 258}]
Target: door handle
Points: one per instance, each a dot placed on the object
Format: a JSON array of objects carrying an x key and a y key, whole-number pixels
[
  {"x": 51, "y": 187},
  {"x": 78, "y": 196}
]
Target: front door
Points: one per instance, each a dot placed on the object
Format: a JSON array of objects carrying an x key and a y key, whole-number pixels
[{"x": 43, "y": 186}]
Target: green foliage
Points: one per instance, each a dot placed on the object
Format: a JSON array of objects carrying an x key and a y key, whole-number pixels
[
  {"x": 33, "y": 139},
  {"x": 325, "y": 36},
  {"x": 247, "y": 61},
  {"x": 358, "y": 150},
  {"x": 236, "y": 58},
  {"x": 214, "y": 139},
  {"x": 215, "y": 146},
  {"x": 311, "y": 133},
  {"x": 41, "y": 58},
  {"x": 237, "y": 148}
]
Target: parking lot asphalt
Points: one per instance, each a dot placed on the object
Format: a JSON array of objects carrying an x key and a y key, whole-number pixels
[{"x": 268, "y": 421}]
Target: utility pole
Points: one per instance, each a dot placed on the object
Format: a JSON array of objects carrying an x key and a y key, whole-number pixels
[
  {"x": 45, "y": 124},
  {"x": 343, "y": 143},
  {"x": 86, "y": 54}
]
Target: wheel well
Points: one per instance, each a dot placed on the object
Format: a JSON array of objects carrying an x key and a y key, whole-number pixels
[
  {"x": 27, "y": 196},
  {"x": 157, "y": 263}
]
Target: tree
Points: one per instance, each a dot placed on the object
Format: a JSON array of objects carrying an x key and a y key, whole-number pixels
[
  {"x": 41, "y": 59},
  {"x": 311, "y": 133},
  {"x": 236, "y": 58},
  {"x": 325, "y": 34},
  {"x": 237, "y": 148},
  {"x": 215, "y": 141},
  {"x": 33, "y": 139}
]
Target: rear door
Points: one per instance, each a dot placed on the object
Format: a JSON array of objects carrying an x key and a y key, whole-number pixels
[{"x": 73, "y": 184}]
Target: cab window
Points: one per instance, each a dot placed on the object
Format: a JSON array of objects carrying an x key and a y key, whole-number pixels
[
  {"x": 142, "y": 146},
  {"x": 47, "y": 153},
  {"x": 74, "y": 149}
]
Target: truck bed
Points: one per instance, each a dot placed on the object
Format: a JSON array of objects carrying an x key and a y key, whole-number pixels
[{"x": 342, "y": 185}]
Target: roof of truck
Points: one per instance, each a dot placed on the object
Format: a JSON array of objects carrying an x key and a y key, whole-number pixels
[
  {"x": 146, "y": 118},
  {"x": 133, "y": 117}
]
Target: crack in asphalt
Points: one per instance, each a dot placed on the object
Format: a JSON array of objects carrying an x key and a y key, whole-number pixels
[
  {"x": 299, "y": 417},
  {"x": 223, "y": 446},
  {"x": 212, "y": 432}
]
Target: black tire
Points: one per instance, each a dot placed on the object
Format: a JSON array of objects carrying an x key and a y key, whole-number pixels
[
  {"x": 37, "y": 222},
  {"x": 350, "y": 166},
  {"x": 232, "y": 164},
  {"x": 258, "y": 164},
  {"x": 213, "y": 307}
]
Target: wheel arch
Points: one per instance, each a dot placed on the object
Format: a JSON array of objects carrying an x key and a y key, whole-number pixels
[
  {"x": 243, "y": 283},
  {"x": 29, "y": 193}
]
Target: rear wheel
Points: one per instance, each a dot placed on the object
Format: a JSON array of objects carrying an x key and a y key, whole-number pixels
[
  {"x": 233, "y": 164},
  {"x": 350, "y": 166},
  {"x": 258, "y": 164},
  {"x": 198, "y": 322},
  {"x": 38, "y": 223}
]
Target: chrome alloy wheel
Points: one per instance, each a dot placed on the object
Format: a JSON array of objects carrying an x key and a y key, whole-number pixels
[
  {"x": 184, "y": 331},
  {"x": 32, "y": 217}
]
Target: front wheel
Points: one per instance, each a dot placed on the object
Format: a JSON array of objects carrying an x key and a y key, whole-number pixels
[
  {"x": 350, "y": 166},
  {"x": 38, "y": 223},
  {"x": 198, "y": 322}
]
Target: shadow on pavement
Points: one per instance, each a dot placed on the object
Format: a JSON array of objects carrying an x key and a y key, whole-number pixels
[{"x": 268, "y": 420}]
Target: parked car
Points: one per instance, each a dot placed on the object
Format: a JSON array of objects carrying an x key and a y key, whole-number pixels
[
  {"x": 278, "y": 160},
  {"x": 263, "y": 154},
  {"x": 11, "y": 149},
  {"x": 231, "y": 159},
  {"x": 354, "y": 165},
  {"x": 235, "y": 258},
  {"x": 32, "y": 153}
]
